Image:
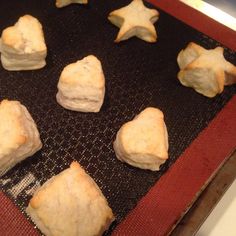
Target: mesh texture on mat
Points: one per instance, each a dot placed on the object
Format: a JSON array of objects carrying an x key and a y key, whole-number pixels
[{"x": 138, "y": 74}]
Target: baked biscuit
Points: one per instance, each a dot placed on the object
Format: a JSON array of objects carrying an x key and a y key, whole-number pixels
[
  {"x": 204, "y": 70},
  {"x": 143, "y": 142},
  {"x": 22, "y": 46},
  {"x": 70, "y": 204},
  {"x": 81, "y": 86},
  {"x": 63, "y": 3},
  {"x": 135, "y": 20},
  {"x": 19, "y": 137}
]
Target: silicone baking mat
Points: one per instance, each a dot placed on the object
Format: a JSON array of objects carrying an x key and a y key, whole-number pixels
[{"x": 137, "y": 74}]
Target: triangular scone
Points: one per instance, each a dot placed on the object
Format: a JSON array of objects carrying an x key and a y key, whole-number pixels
[
  {"x": 63, "y": 3},
  {"x": 81, "y": 86},
  {"x": 143, "y": 142},
  {"x": 206, "y": 71},
  {"x": 19, "y": 137},
  {"x": 135, "y": 20},
  {"x": 70, "y": 204},
  {"x": 22, "y": 46}
]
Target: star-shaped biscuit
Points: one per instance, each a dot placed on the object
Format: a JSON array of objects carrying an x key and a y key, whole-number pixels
[
  {"x": 204, "y": 70},
  {"x": 63, "y": 3},
  {"x": 135, "y": 20}
]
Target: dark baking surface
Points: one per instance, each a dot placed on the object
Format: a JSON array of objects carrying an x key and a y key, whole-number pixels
[{"x": 138, "y": 74}]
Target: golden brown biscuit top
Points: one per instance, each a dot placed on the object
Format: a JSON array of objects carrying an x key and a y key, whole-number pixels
[
  {"x": 135, "y": 19},
  {"x": 145, "y": 134},
  {"x": 86, "y": 73},
  {"x": 212, "y": 65},
  {"x": 26, "y": 35},
  {"x": 12, "y": 132},
  {"x": 63, "y": 3}
]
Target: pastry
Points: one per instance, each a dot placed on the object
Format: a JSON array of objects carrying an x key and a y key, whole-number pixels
[
  {"x": 143, "y": 142},
  {"x": 135, "y": 20},
  {"x": 63, "y": 3},
  {"x": 19, "y": 137},
  {"x": 206, "y": 71},
  {"x": 81, "y": 86},
  {"x": 70, "y": 204},
  {"x": 22, "y": 46}
]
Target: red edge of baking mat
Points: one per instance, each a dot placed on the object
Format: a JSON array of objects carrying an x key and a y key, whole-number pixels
[
  {"x": 199, "y": 21},
  {"x": 170, "y": 197},
  {"x": 12, "y": 221}
]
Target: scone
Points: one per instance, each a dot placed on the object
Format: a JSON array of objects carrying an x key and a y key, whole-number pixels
[
  {"x": 143, "y": 142},
  {"x": 204, "y": 70},
  {"x": 19, "y": 136},
  {"x": 70, "y": 204},
  {"x": 63, "y": 3},
  {"x": 81, "y": 86},
  {"x": 135, "y": 20},
  {"x": 22, "y": 46}
]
